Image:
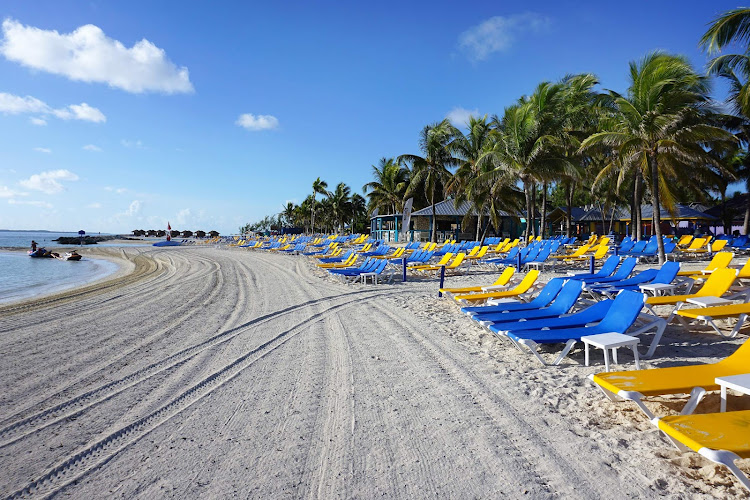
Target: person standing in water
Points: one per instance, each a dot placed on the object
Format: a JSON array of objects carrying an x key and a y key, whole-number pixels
[{"x": 33, "y": 246}]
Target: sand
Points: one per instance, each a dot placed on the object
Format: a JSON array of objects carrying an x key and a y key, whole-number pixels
[{"x": 222, "y": 372}]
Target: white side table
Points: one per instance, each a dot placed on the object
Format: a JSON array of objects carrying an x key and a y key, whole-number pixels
[
  {"x": 739, "y": 383},
  {"x": 607, "y": 341},
  {"x": 708, "y": 301},
  {"x": 659, "y": 288}
]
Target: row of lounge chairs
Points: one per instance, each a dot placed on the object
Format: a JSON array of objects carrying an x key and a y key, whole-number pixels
[{"x": 560, "y": 314}]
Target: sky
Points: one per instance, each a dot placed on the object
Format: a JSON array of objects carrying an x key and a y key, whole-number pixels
[{"x": 117, "y": 116}]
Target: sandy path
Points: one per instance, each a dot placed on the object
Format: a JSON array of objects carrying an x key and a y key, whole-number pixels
[{"x": 209, "y": 372}]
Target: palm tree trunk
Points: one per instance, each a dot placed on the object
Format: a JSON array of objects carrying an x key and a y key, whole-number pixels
[
  {"x": 638, "y": 198},
  {"x": 312, "y": 215},
  {"x": 543, "y": 224},
  {"x": 570, "y": 187},
  {"x": 727, "y": 223},
  {"x": 746, "y": 225},
  {"x": 527, "y": 193},
  {"x": 633, "y": 216},
  {"x": 434, "y": 217},
  {"x": 533, "y": 209},
  {"x": 656, "y": 219}
]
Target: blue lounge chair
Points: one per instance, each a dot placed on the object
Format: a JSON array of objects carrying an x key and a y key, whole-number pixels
[
  {"x": 621, "y": 316},
  {"x": 666, "y": 274},
  {"x": 546, "y": 295},
  {"x": 606, "y": 270},
  {"x": 564, "y": 302},
  {"x": 623, "y": 272}
]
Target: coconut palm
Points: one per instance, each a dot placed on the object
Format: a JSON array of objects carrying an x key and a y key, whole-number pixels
[
  {"x": 288, "y": 213},
  {"x": 319, "y": 187},
  {"x": 431, "y": 170},
  {"x": 657, "y": 125},
  {"x": 388, "y": 189},
  {"x": 340, "y": 199}
]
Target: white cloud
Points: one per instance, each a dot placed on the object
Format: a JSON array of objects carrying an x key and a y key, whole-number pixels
[
  {"x": 459, "y": 116},
  {"x": 116, "y": 190},
  {"x": 42, "y": 204},
  {"x": 183, "y": 216},
  {"x": 88, "y": 55},
  {"x": 43, "y": 150},
  {"x": 6, "y": 192},
  {"x": 14, "y": 105},
  {"x": 257, "y": 122},
  {"x": 91, "y": 147},
  {"x": 48, "y": 182},
  {"x": 94, "y": 205},
  {"x": 498, "y": 33},
  {"x": 134, "y": 208},
  {"x": 40, "y": 122},
  {"x": 80, "y": 112},
  {"x": 132, "y": 144}
]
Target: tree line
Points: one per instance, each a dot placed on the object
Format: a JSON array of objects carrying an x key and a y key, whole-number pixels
[{"x": 665, "y": 140}]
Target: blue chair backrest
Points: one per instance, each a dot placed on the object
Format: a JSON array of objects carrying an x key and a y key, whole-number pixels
[
  {"x": 531, "y": 255},
  {"x": 548, "y": 293},
  {"x": 555, "y": 246},
  {"x": 642, "y": 277},
  {"x": 609, "y": 266},
  {"x": 651, "y": 247},
  {"x": 543, "y": 254},
  {"x": 381, "y": 265},
  {"x": 626, "y": 246},
  {"x": 594, "y": 312},
  {"x": 625, "y": 309},
  {"x": 626, "y": 268},
  {"x": 669, "y": 247},
  {"x": 415, "y": 255},
  {"x": 513, "y": 252},
  {"x": 667, "y": 273},
  {"x": 427, "y": 256},
  {"x": 567, "y": 297},
  {"x": 639, "y": 246}
]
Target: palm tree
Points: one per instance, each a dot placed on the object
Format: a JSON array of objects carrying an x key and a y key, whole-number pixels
[
  {"x": 431, "y": 170},
  {"x": 657, "y": 126},
  {"x": 388, "y": 189},
  {"x": 358, "y": 215},
  {"x": 288, "y": 213},
  {"x": 340, "y": 199},
  {"x": 319, "y": 187}
]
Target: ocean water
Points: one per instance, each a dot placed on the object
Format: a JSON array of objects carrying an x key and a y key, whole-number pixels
[
  {"x": 22, "y": 239},
  {"x": 23, "y": 277}
]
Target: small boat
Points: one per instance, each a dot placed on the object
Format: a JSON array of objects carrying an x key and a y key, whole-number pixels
[
  {"x": 67, "y": 256},
  {"x": 39, "y": 252},
  {"x": 167, "y": 244}
]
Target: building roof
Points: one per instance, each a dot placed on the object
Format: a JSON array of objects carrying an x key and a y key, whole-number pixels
[
  {"x": 561, "y": 212},
  {"x": 447, "y": 208},
  {"x": 682, "y": 212}
]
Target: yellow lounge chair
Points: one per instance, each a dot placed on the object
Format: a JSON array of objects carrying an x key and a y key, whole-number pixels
[
  {"x": 446, "y": 258},
  {"x": 503, "y": 280},
  {"x": 346, "y": 263},
  {"x": 719, "y": 437},
  {"x": 479, "y": 255},
  {"x": 694, "y": 245},
  {"x": 695, "y": 380},
  {"x": 709, "y": 314},
  {"x": 716, "y": 286},
  {"x": 716, "y": 246},
  {"x": 577, "y": 253},
  {"x": 457, "y": 261},
  {"x": 524, "y": 286},
  {"x": 720, "y": 261},
  {"x": 684, "y": 241},
  {"x": 399, "y": 252},
  {"x": 599, "y": 253}
]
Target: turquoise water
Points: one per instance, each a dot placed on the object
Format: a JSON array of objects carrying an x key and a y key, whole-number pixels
[
  {"x": 22, "y": 277},
  {"x": 22, "y": 239}
]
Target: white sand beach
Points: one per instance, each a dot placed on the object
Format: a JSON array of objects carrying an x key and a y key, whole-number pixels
[{"x": 222, "y": 373}]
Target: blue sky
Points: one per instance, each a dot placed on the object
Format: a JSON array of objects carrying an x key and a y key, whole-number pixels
[{"x": 124, "y": 115}]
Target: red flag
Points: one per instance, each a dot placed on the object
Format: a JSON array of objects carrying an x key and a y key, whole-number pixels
[{"x": 169, "y": 232}]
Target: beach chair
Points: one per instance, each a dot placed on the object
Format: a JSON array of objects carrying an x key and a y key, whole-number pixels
[
  {"x": 684, "y": 241},
  {"x": 623, "y": 272},
  {"x": 719, "y": 261},
  {"x": 591, "y": 314},
  {"x": 478, "y": 256},
  {"x": 501, "y": 281},
  {"x": 695, "y": 380},
  {"x": 664, "y": 275},
  {"x": 694, "y": 245},
  {"x": 348, "y": 262},
  {"x": 710, "y": 314},
  {"x": 720, "y": 437},
  {"x": 605, "y": 271},
  {"x": 543, "y": 299},
  {"x": 523, "y": 287},
  {"x": 620, "y": 317},
  {"x": 443, "y": 261},
  {"x": 452, "y": 266},
  {"x": 563, "y": 302},
  {"x": 716, "y": 246},
  {"x": 716, "y": 285}
]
